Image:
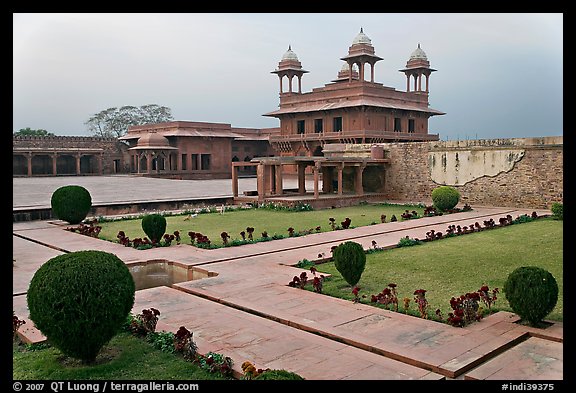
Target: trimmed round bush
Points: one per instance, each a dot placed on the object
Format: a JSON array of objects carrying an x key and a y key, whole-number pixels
[
  {"x": 80, "y": 300},
  {"x": 71, "y": 203},
  {"x": 532, "y": 293},
  {"x": 350, "y": 260},
  {"x": 445, "y": 197},
  {"x": 558, "y": 210},
  {"x": 278, "y": 375},
  {"x": 154, "y": 226}
]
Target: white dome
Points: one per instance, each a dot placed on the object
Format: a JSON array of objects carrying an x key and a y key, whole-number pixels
[
  {"x": 346, "y": 68},
  {"x": 418, "y": 54},
  {"x": 362, "y": 38},
  {"x": 290, "y": 55}
]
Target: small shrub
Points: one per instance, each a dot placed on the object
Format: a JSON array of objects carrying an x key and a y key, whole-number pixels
[
  {"x": 445, "y": 197},
  {"x": 80, "y": 300},
  {"x": 154, "y": 226},
  {"x": 215, "y": 363},
  {"x": 305, "y": 263},
  {"x": 71, "y": 203},
  {"x": 558, "y": 211},
  {"x": 278, "y": 375},
  {"x": 350, "y": 261},
  {"x": 163, "y": 341},
  {"x": 407, "y": 242},
  {"x": 532, "y": 293}
]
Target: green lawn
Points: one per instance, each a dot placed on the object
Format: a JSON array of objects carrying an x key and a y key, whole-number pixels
[
  {"x": 454, "y": 266},
  {"x": 124, "y": 358},
  {"x": 271, "y": 221}
]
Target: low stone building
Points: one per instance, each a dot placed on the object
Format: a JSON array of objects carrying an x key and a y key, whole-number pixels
[{"x": 67, "y": 155}]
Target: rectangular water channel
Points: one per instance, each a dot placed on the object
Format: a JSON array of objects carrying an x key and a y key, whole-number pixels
[{"x": 161, "y": 272}]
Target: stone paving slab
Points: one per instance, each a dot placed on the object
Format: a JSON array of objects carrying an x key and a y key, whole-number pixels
[
  {"x": 533, "y": 359},
  {"x": 244, "y": 336}
]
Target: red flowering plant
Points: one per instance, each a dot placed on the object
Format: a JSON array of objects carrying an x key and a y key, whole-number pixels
[
  {"x": 318, "y": 281},
  {"x": 123, "y": 239},
  {"x": 466, "y": 309},
  {"x": 192, "y": 237},
  {"x": 250, "y": 231},
  {"x": 243, "y": 235},
  {"x": 225, "y": 237},
  {"x": 184, "y": 344},
  {"x": 290, "y": 231},
  {"x": 355, "y": 292},
  {"x": 332, "y": 223},
  {"x": 177, "y": 236},
  {"x": 88, "y": 229},
  {"x": 168, "y": 239},
  {"x": 299, "y": 282},
  {"x": 346, "y": 223},
  {"x": 420, "y": 300},
  {"x": 16, "y": 323},
  {"x": 388, "y": 297},
  {"x": 488, "y": 298},
  {"x": 145, "y": 322}
]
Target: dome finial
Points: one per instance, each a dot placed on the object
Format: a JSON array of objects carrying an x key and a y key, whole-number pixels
[
  {"x": 418, "y": 45},
  {"x": 361, "y": 30},
  {"x": 290, "y": 47}
]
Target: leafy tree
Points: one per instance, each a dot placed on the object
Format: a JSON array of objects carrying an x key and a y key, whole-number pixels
[
  {"x": 114, "y": 122},
  {"x": 30, "y": 132}
]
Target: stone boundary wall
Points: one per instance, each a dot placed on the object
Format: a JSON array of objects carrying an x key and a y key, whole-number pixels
[{"x": 515, "y": 172}]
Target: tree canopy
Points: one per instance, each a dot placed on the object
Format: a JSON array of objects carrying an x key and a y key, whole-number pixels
[
  {"x": 30, "y": 132},
  {"x": 114, "y": 122}
]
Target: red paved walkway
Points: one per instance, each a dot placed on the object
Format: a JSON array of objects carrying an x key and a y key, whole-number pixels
[{"x": 249, "y": 313}]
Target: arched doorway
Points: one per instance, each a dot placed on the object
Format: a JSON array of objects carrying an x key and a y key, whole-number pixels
[
  {"x": 41, "y": 164},
  {"x": 19, "y": 165},
  {"x": 65, "y": 165}
]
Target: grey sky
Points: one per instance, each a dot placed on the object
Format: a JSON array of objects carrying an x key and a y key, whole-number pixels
[{"x": 499, "y": 75}]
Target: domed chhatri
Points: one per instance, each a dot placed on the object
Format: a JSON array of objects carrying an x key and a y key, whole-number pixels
[
  {"x": 290, "y": 55},
  {"x": 362, "y": 38},
  {"x": 290, "y": 67},
  {"x": 361, "y": 52},
  {"x": 416, "y": 67},
  {"x": 153, "y": 139},
  {"x": 418, "y": 54}
]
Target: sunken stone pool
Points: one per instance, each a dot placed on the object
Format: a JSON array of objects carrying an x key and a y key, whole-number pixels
[{"x": 160, "y": 272}]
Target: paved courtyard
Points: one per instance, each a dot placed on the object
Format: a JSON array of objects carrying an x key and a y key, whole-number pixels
[{"x": 247, "y": 311}]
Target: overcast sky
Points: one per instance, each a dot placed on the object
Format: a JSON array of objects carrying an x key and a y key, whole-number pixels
[{"x": 499, "y": 75}]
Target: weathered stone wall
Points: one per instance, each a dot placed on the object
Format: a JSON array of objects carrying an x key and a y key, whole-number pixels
[{"x": 517, "y": 172}]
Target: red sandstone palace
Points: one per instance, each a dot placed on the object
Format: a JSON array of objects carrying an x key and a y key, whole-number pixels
[{"x": 352, "y": 109}]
